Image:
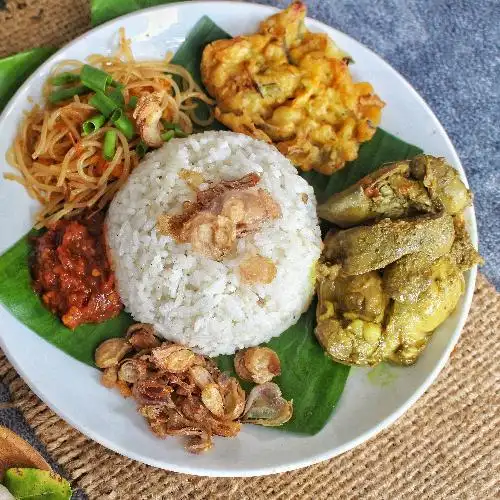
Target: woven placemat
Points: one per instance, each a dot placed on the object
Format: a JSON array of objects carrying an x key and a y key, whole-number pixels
[{"x": 445, "y": 446}]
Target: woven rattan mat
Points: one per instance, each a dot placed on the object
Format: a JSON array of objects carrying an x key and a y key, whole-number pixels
[{"x": 446, "y": 446}]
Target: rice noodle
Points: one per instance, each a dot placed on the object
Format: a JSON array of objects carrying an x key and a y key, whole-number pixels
[{"x": 66, "y": 171}]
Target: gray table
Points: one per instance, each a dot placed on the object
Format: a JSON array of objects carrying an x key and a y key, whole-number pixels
[{"x": 449, "y": 50}]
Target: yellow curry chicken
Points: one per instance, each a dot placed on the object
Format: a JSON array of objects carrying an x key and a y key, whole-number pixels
[{"x": 291, "y": 87}]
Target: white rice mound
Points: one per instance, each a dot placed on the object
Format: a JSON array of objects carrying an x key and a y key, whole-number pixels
[{"x": 191, "y": 299}]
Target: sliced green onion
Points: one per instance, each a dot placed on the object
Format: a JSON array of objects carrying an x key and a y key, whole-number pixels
[
  {"x": 117, "y": 96},
  {"x": 179, "y": 132},
  {"x": 64, "y": 78},
  {"x": 92, "y": 124},
  {"x": 109, "y": 145},
  {"x": 123, "y": 124},
  {"x": 103, "y": 103},
  {"x": 94, "y": 78},
  {"x": 141, "y": 149},
  {"x": 168, "y": 125},
  {"x": 67, "y": 93},
  {"x": 166, "y": 136},
  {"x": 132, "y": 102}
]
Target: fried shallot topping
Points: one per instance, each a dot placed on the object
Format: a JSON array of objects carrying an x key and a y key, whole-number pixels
[
  {"x": 179, "y": 393},
  {"x": 257, "y": 364},
  {"x": 266, "y": 406},
  {"x": 221, "y": 213},
  {"x": 256, "y": 269},
  {"x": 147, "y": 114}
]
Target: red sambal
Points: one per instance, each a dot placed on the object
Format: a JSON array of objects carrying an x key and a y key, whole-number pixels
[{"x": 72, "y": 274}]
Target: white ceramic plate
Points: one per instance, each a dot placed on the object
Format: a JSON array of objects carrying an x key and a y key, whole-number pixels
[{"x": 370, "y": 401}]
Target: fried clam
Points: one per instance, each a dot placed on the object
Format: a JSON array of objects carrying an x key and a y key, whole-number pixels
[
  {"x": 179, "y": 392},
  {"x": 257, "y": 364},
  {"x": 266, "y": 406},
  {"x": 172, "y": 358},
  {"x": 291, "y": 87},
  {"x": 365, "y": 248},
  {"x": 425, "y": 184},
  {"x": 132, "y": 370},
  {"x": 411, "y": 324},
  {"x": 349, "y": 314}
]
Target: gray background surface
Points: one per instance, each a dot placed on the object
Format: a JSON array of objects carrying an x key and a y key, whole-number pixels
[{"x": 449, "y": 50}]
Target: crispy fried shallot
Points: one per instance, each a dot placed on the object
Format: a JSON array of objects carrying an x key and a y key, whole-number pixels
[
  {"x": 221, "y": 213},
  {"x": 256, "y": 269},
  {"x": 193, "y": 179},
  {"x": 257, "y": 364},
  {"x": 180, "y": 393},
  {"x": 111, "y": 352}
]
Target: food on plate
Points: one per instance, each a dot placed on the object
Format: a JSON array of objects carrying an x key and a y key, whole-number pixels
[
  {"x": 257, "y": 364},
  {"x": 365, "y": 248},
  {"x": 291, "y": 87},
  {"x": 220, "y": 214},
  {"x": 29, "y": 483},
  {"x": 425, "y": 184},
  {"x": 443, "y": 182},
  {"x": 349, "y": 320},
  {"x": 384, "y": 288},
  {"x": 181, "y": 393},
  {"x": 74, "y": 153},
  {"x": 112, "y": 351},
  {"x": 411, "y": 323},
  {"x": 462, "y": 251},
  {"x": 221, "y": 265},
  {"x": 5, "y": 494},
  {"x": 212, "y": 240},
  {"x": 71, "y": 272}
]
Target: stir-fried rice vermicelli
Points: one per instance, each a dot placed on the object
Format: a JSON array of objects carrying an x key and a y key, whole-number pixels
[{"x": 66, "y": 170}]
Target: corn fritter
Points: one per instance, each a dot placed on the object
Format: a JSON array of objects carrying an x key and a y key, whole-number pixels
[{"x": 291, "y": 87}]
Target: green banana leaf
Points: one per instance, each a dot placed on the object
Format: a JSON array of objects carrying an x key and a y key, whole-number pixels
[
  {"x": 15, "y": 69},
  {"x": 309, "y": 377}
]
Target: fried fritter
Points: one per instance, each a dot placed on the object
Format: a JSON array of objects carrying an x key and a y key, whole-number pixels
[{"x": 291, "y": 87}]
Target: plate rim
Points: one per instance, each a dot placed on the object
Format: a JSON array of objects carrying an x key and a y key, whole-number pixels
[{"x": 382, "y": 425}]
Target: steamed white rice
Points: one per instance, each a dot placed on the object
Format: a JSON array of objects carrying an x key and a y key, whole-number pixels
[{"x": 187, "y": 297}]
